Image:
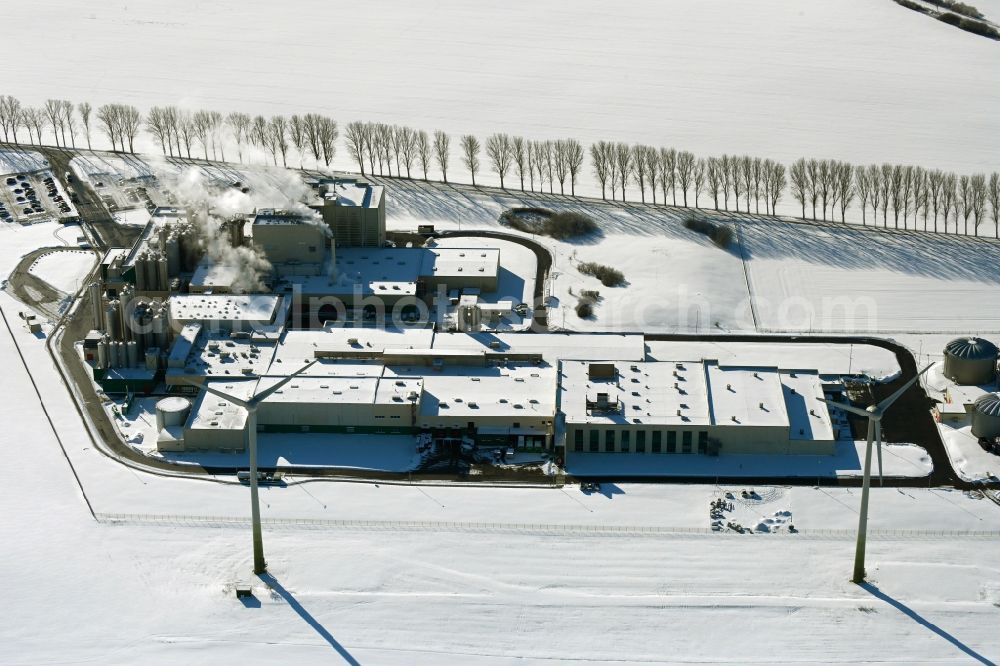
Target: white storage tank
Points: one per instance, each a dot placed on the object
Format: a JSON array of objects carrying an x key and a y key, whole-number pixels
[
  {"x": 132, "y": 350},
  {"x": 172, "y": 411},
  {"x": 970, "y": 361}
]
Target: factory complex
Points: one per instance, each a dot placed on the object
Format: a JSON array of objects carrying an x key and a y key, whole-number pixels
[
  {"x": 568, "y": 394},
  {"x": 240, "y": 303}
]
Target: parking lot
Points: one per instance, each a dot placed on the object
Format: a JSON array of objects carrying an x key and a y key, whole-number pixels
[{"x": 34, "y": 196}]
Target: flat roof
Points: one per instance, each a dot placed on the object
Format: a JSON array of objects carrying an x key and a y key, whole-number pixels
[
  {"x": 211, "y": 412},
  {"x": 512, "y": 390},
  {"x": 808, "y": 418},
  {"x": 659, "y": 393},
  {"x": 223, "y": 307},
  {"x": 209, "y": 274},
  {"x": 341, "y": 390},
  {"x": 350, "y": 192},
  {"x": 460, "y": 262},
  {"x": 298, "y": 347},
  {"x": 745, "y": 396}
]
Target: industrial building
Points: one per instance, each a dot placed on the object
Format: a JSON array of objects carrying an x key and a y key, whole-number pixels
[
  {"x": 692, "y": 407},
  {"x": 551, "y": 392},
  {"x": 354, "y": 210}
]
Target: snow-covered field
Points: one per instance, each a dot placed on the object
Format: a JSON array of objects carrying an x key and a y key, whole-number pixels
[
  {"x": 727, "y": 76},
  {"x": 64, "y": 269}
]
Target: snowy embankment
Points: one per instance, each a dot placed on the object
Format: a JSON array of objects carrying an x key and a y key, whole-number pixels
[
  {"x": 63, "y": 269},
  {"x": 782, "y": 277},
  {"x": 21, "y": 161}
]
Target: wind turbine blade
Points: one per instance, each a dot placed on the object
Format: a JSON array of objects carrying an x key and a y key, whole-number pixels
[
  {"x": 885, "y": 404},
  {"x": 878, "y": 440},
  {"x": 231, "y": 398},
  {"x": 262, "y": 395},
  {"x": 847, "y": 408}
]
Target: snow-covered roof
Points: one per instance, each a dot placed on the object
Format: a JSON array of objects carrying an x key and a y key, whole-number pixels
[
  {"x": 460, "y": 262},
  {"x": 514, "y": 390},
  {"x": 223, "y": 307},
  {"x": 653, "y": 393}
]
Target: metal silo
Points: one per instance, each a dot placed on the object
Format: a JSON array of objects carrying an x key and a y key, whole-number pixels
[
  {"x": 986, "y": 416},
  {"x": 970, "y": 361}
]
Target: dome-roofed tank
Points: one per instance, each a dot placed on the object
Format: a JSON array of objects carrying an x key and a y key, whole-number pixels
[
  {"x": 986, "y": 416},
  {"x": 970, "y": 361}
]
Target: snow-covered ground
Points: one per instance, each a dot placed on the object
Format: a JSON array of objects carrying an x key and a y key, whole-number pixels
[
  {"x": 63, "y": 269},
  {"x": 21, "y": 161},
  {"x": 783, "y": 276}
]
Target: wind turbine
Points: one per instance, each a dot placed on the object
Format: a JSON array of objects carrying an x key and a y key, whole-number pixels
[
  {"x": 251, "y": 404},
  {"x": 874, "y": 414}
]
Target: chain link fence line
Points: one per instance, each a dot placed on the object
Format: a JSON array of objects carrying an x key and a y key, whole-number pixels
[{"x": 522, "y": 528}]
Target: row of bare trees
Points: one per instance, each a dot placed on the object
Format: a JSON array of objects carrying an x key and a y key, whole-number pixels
[
  {"x": 749, "y": 179},
  {"x": 927, "y": 196},
  {"x": 824, "y": 187},
  {"x": 61, "y": 117},
  {"x": 385, "y": 146}
]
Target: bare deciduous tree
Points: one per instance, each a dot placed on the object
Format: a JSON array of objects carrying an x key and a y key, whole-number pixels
[
  {"x": 965, "y": 201},
  {"x": 519, "y": 151},
  {"x": 328, "y": 135},
  {"x": 424, "y": 151},
  {"x": 157, "y": 126},
  {"x": 560, "y": 158},
  {"x": 639, "y": 172},
  {"x": 993, "y": 194},
  {"x": 623, "y": 165},
  {"x": 799, "y": 175},
  {"x": 202, "y": 126},
  {"x": 470, "y": 155},
  {"x": 356, "y": 137},
  {"x": 600, "y": 158},
  {"x": 407, "y": 148},
  {"x": 442, "y": 152},
  {"x": 668, "y": 174},
  {"x": 68, "y": 121},
  {"x": 949, "y": 196},
  {"x": 775, "y": 182},
  {"x": 685, "y": 172},
  {"x": 714, "y": 176},
  {"x": 53, "y": 111},
  {"x": 977, "y": 183},
  {"x": 935, "y": 183},
  {"x": 84, "y": 109},
  {"x": 574, "y": 162},
  {"x": 862, "y": 186},
  {"x": 297, "y": 133},
  {"x": 239, "y": 124},
  {"x": 10, "y": 116},
  {"x": 500, "y": 154},
  {"x": 700, "y": 168},
  {"x": 844, "y": 187}
]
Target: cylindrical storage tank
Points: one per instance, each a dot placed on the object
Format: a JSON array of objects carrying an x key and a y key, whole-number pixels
[
  {"x": 111, "y": 320},
  {"x": 140, "y": 273},
  {"x": 120, "y": 355},
  {"x": 152, "y": 358},
  {"x": 97, "y": 304},
  {"x": 162, "y": 275},
  {"x": 102, "y": 355},
  {"x": 113, "y": 354},
  {"x": 133, "y": 354},
  {"x": 970, "y": 361},
  {"x": 986, "y": 416},
  {"x": 171, "y": 411},
  {"x": 173, "y": 256}
]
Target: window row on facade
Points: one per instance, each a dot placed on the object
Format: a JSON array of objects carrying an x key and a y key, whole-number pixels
[{"x": 615, "y": 440}]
